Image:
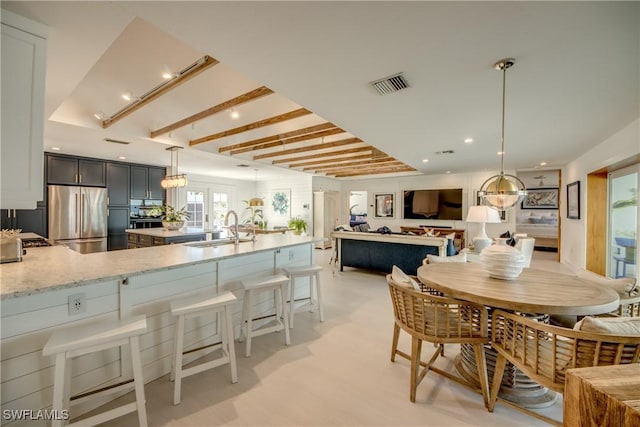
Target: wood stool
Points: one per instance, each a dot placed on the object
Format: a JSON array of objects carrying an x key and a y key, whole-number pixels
[
  {"x": 277, "y": 284},
  {"x": 313, "y": 272},
  {"x": 188, "y": 308},
  {"x": 76, "y": 341}
]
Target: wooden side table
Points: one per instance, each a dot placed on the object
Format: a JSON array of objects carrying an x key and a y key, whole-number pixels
[{"x": 602, "y": 396}]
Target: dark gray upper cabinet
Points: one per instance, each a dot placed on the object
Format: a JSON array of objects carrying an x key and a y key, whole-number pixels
[
  {"x": 74, "y": 171},
  {"x": 145, "y": 182},
  {"x": 118, "y": 184},
  {"x": 156, "y": 175}
]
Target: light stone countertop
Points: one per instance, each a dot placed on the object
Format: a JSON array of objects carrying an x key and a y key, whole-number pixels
[{"x": 51, "y": 268}]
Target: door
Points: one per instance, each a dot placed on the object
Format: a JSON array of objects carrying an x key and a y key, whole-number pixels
[
  {"x": 64, "y": 205},
  {"x": 207, "y": 206},
  {"x": 623, "y": 222},
  {"x": 93, "y": 207}
]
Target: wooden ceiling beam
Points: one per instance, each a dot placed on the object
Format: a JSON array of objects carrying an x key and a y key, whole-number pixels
[
  {"x": 277, "y": 137},
  {"x": 349, "y": 164},
  {"x": 319, "y": 155},
  {"x": 366, "y": 165},
  {"x": 255, "y": 125},
  {"x": 332, "y": 160},
  {"x": 374, "y": 171},
  {"x": 321, "y": 146},
  {"x": 203, "y": 64},
  {"x": 280, "y": 143},
  {"x": 244, "y": 98}
]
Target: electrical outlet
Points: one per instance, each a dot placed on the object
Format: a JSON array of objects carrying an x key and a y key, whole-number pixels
[{"x": 77, "y": 304}]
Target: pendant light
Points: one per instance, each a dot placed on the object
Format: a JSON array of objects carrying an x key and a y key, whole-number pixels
[
  {"x": 177, "y": 180},
  {"x": 256, "y": 201},
  {"x": 503, "y": 191}
]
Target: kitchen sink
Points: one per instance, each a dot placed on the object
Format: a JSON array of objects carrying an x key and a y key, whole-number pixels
[{"x": 215, "y": 243}]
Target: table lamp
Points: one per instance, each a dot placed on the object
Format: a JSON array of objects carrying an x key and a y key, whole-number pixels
[{"x": 482, "y": 215}]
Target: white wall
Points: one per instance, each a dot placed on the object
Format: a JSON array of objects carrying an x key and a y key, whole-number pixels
[
  {"x": 620, "y": 146},
  {"x": 301, "y": 199}
]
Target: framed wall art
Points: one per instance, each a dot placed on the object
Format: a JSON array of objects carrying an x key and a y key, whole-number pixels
[
  {"x": 541, "y": 198},
  {"x": 281, "y": 202},
  {"x": 573, "y": 200},
  {"x": 384, "y": 205}
]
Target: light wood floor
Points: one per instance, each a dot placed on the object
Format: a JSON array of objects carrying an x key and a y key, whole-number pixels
[{"x": 335, "y": 373}]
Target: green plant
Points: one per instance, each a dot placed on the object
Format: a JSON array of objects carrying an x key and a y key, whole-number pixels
[
  {"x": 171, "y": 214},
  {"x": 298, "y": 224},
  {"x": 253, "y": 215}
]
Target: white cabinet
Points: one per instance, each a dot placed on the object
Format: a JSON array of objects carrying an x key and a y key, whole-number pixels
[
  {"x": 325, "y": 216},
  {"x": 23, "y": 79}
]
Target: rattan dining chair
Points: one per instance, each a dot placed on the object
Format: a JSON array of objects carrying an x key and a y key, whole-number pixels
[
  {"x": 545, "y": 352},
  {"x": 439, "y": 320}
]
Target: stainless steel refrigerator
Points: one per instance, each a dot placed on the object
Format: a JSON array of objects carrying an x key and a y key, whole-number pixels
[{"x": 78, "y": 217}]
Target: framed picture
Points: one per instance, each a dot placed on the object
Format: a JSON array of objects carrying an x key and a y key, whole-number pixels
[
  {"x": 541, "y": 198},
  {"x": 281, "y": 202},
  {"x": 573, "y": 200},
  {"x": 384, "y": 205},
  {"x": 503, "y": 214}
]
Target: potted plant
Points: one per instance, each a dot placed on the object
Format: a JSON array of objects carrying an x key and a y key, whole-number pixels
[
  {"x": 172, "y": 218},
  {"x": 298, "y": 224},
  {"x": 253, "y": 214}
]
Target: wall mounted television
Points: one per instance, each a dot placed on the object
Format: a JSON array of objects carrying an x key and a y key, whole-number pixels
[{"x": 444, "y": 204}]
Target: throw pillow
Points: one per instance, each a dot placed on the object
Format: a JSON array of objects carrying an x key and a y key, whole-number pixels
[
  {"x": 400, "y": 276},
  {"x": 610, "y": 325},
  {"x": 624, "y": 285}
]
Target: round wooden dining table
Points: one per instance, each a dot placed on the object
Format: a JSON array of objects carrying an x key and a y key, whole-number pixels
[{"x": 536, "y": 293}]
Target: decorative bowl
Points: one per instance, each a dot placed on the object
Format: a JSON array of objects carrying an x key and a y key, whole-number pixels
[
  {"x": 172, "y": 225},
  {"x": 502, "y": 261}
]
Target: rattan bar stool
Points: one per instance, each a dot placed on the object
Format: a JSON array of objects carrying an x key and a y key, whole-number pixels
[
  {"x": 75, "y": 341},
  {"x": 313, "y": 273},
  {"x": 278, "y": 285},
  {"x": 196, "y": 306}
]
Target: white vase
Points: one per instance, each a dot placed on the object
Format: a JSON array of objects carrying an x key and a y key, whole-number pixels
[{"x": 502, "y": 261}]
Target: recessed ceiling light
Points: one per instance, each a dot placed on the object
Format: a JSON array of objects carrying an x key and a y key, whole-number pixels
[
  {"x": 234, "y": 114},
  {"x": 167, "y": 76},
  {"x": 448, "y": 172},
  {"x": 468, "y": 140},
  {"x": 500, "y": 153},
  {"x": 126, "y": 96},
  {"x": 425, "y": 160},
  {"x": 55, "y": 148},
  {"x": 543, "y": 163},
  {"x": 122, "y": 157}
]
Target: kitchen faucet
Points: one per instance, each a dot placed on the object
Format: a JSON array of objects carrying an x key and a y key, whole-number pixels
[{"x": 236, "y": 235}]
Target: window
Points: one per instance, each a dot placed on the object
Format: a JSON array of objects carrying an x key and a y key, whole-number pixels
[
  {"x": 220, "y": 207},
  {"x": 195, "y": 207}
]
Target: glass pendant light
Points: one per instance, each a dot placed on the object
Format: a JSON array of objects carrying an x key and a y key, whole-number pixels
[
  {"x": 503, "y": 191},
  {"x": 177, "y": 180}
]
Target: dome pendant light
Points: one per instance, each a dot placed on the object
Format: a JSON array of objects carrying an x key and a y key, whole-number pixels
[
  {"x": 256, "y": 201},
  {"x": 503, "y": 191}
]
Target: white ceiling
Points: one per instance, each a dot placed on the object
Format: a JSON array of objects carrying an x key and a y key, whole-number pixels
[{"x": 576, "y": 80}]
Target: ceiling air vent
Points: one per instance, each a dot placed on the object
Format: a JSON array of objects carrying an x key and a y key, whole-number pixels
[
  {"x": 116, "y": 141},
  {"x": 390, "y": 84},
  {"x": 438, "y": 153}
]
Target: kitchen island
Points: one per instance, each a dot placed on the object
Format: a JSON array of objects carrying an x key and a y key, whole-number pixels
[
  {"x": 36, "y": 293},
  {"x": 145, "y": 237}
]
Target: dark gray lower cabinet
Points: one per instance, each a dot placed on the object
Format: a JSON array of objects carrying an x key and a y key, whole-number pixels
[{"x": 117, "y": 223}]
